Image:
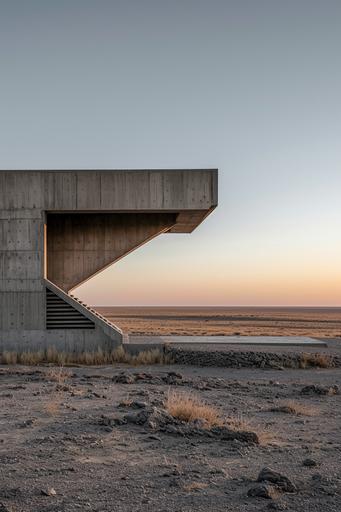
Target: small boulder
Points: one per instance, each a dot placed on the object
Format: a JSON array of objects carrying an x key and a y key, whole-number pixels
[
  {"x": 50, "y": 491},
  {"x": 267, "y": 491},
  {"x": 227, "y": 434},
  {"x": 314, "y": 389},
  {"x": 111, "y": 421},
  {"x": 136, "y": 418},
  {"x": 309, "y": 463},
  {"x": 124, "y": 378},
  {"x": 172, "y": 378},
  {"x": 137, "y": 404},
  {"x": 144, "y": 376},
  {"x": 281, "y": 481}
]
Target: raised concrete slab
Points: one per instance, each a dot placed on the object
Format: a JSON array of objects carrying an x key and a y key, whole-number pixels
[{"x": 276, "y": 341}]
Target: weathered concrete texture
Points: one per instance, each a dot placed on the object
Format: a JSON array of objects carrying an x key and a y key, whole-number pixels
[
  {"x": 147, "y": 190},
  {"x": 63, "y": 340},
  {"x": 102, "y": 215},
  {"x": 79, "y": 246}
]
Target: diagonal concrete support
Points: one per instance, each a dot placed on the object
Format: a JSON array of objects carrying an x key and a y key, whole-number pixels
[{"x": 81, "y": 245}]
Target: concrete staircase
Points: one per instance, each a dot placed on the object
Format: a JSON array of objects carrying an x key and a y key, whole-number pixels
[{"x": 64, "y": 310}]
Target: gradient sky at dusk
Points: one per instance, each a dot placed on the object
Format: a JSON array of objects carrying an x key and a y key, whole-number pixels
[{"x": 249, "y": 86}]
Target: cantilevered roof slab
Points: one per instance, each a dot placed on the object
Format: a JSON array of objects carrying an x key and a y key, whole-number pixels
[{"x": 192, "y": 194}]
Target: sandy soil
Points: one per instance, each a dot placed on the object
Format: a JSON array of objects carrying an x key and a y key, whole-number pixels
[
  {"x": 64, "y": 444},
  {"x": 315, "y": 322}
]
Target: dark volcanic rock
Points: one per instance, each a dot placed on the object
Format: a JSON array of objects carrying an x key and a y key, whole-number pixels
[
  {"x": 315, "y": 389},
  {"x": 310, "y": 463},
  {"x": 124, "y": 378},
  {"x": 111, "y": 421},
  {"x": 226, "y": 434},
  {"x": 172, "y": 378},
  {"x": 267, "y": 491},
  {"x": 159, "y": 419},
  {"x": 281, "y": 481},
  {"x": 153, "y": 417}
]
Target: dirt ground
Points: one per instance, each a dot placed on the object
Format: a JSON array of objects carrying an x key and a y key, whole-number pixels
[
  {"x": 70, "y": 440},
  {"x": 224, "y": 321}
]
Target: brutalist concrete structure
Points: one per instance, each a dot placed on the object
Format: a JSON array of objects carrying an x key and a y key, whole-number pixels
[{"x": 59, "y": 228}]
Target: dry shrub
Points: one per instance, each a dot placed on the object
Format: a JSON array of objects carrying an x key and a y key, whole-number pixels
[
  {"x": 296, "y": 408},
  {"x": 97, "y": 357},
  {"x": 146, "y": 357},
  {"x": 59, "y": 375},
  {"x": 315, "y": 360},
  {"x": 9, "y": 357},
  {"x": 52, "y": 407},
  {"x": 119, "y": 355},
  {"x": 187, "y": 407},
  {"x": 154, "y": 356},
  {"x": 27, "y": 358}
]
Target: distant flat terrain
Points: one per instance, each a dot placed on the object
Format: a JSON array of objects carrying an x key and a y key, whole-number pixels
[{"x": 223, "y": 321}]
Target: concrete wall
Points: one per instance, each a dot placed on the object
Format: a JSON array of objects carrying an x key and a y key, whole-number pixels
[
  {"x": 64, "y": 340},
  {"x": 22, "y": 301}
]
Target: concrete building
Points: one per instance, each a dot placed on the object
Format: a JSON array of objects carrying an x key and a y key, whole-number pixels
[{"x": 59, "y": 228}]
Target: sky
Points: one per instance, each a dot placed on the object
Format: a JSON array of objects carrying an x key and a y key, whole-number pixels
[{"x": 251, "y": 87}]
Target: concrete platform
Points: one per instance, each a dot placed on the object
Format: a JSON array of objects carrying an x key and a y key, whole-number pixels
[{"x": 273, "y": 341}]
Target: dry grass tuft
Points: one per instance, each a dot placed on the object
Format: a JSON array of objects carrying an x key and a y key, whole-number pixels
[
  {"x": 315, "y": 360},
  {"x": 8, "y": 357},
  {"x": 239, "y": 423},
  {"x": 126, "y": 402},
  {"x": 146, "y": 357},
  {"x": 97, "y": 357},
  {"x": 195, "y": 486},
  {"x": 187, "y": 407},
  {"x": 59, "y": 375},
  {"x": 296, "y": 408},
  {"x": 52, "y": 407}
]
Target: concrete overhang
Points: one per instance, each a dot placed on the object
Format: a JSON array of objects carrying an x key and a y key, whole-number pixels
[{"x": 189, "y": 193}]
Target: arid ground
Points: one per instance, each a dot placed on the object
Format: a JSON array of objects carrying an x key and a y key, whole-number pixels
[
  {"x": 103, "y": 439},
  {"x": 315, "y": 322},
  {"x": 177, "y": 438}
]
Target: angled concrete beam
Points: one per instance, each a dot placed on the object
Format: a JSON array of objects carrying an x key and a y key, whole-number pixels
[{"x": 81, "y": 245}]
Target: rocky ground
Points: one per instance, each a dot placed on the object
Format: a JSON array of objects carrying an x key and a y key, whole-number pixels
[{"x": 101, "y": 439}]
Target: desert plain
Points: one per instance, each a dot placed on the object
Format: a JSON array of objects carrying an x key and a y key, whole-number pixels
[
  {"x": 225, "y": 321},
  {"x": 176, "y": 438}
]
